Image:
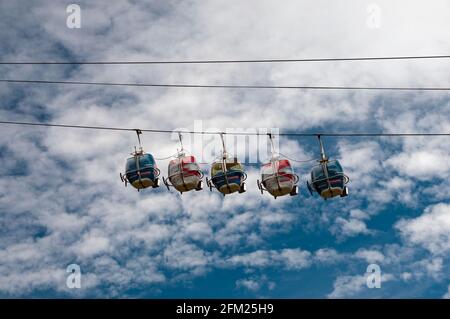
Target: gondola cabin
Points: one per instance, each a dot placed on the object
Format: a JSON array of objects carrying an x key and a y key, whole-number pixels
[
  {"x": 184, "y": 174},
  {"x": 141, "y": 171},
  {"x": 328, "y": 180},
  {"x": 228, "y": 176},
  {"x": 278, "y": 178}
]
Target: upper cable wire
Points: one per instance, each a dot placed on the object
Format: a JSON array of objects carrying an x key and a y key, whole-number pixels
[
  {"x": 405, "y": 57},
  {"x": 226, "y": 86},
  {"x": 305, "y": 134}
]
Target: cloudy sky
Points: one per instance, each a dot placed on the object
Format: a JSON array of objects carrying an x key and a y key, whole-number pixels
[{"x": 62, "y": 202}]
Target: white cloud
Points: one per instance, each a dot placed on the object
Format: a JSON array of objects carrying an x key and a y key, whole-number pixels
[
  {"x": 255, "y": 283},
  {"x": 431, "y": 230},
  {"x": 350, "y": 286},
  {"x": 424, "y": 165},
  {"x": 406, "y": 276},
  {"x": 447, "y": 294},
  {"x": 186, "y": 256},
  {"x": 248, "y": 284},
  {"x": 359, "y": 214},
  {"x": 346, "y": 286},
  {"x": 289, "y": 258},
  {"x": 362, "y": 163},
  {"x": 328, "y": 256},
  {"x": 199, "y": 231},
  {"x": 92, "y": 245},
  {"x": 434, "y": 267},
  {"x": 370, "y": 255},
  {"x": 13, "y": 282},
  {"x": 295, "y": 258},
  {"x": 349, "y": 228},
  {"x": 259, "y": 258}
]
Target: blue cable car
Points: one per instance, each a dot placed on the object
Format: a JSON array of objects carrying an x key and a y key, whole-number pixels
[
  {"x": 141, "y": 170},
  {"x": 227, "y": 174},
  {"x": 328, "y": 178}
]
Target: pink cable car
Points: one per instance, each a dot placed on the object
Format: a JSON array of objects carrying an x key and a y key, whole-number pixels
[
  {"x": 184, "y": 172},
  {"x": 277, "y": 176}
]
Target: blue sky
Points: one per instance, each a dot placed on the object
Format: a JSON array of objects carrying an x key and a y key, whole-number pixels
[{"x": 62, "y": 202}]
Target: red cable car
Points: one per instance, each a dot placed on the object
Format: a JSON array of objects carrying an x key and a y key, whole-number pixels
[
  {"x": 277, "y": 176},
  {"x": 184, "y": 172}
]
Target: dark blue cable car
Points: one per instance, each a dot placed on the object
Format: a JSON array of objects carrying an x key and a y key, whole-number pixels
[
  {"x": 227, "y": 174},
  {"x": 328, "y": 178},
  {"x": 141, "y": 170}
]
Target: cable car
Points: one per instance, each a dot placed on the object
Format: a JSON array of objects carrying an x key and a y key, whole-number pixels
[
  {"x": 328, "y": 178},
  {"x": 184, "y": 173},
  {"x": 141, "y": 170},
  {"x": 277, "y": 176},
  {"x": 227, "y": 174}
]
